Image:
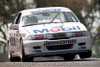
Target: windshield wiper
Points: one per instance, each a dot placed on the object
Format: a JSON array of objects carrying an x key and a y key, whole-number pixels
[
  {"x": 35, "y": 24},
  {"x": 29, "y": 25}
]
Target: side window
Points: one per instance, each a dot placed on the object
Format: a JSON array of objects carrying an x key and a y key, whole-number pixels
[{"x": 17, "y": 19}]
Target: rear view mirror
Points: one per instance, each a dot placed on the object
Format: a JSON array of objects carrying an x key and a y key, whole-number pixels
[
  {"x": 45, "y": 14},
  {"x": 14, "y": 26}
]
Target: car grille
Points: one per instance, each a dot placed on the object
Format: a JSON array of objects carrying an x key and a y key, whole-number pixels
[{"x": 59, "y": 47}]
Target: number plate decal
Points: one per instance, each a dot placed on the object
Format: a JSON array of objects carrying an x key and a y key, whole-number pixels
[{"x": 59, "y": 42}]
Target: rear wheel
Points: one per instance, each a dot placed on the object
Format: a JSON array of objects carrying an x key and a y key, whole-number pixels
[
  {"x": 69, "y": 57},
  {"x": 14, "y": 59},
  {"x": 85, "y": 54},
  {"x": 10, "y": 58}
]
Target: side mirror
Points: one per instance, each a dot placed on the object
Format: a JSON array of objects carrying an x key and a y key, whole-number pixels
[
  {"x": 9, "y": 25},
  {"x": 13, "y": 16},
  {"x": 14, "y": 26}
]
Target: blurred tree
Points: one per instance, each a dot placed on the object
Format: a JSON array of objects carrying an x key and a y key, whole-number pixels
[
  {"x": 7, "y": 8},
  {"x": 96, "y": 37}
]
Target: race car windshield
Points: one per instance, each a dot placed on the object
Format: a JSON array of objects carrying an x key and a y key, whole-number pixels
[{"x": 56, "y": 17}]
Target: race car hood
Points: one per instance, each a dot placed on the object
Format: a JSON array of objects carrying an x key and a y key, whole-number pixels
[{"x": 55, "y": 28}]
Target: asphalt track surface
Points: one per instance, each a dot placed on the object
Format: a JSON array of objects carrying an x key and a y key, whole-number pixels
[{"x": 91, "y": 62}]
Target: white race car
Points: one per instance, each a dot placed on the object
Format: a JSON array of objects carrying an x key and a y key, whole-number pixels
[{"x": 52, "y": 31}]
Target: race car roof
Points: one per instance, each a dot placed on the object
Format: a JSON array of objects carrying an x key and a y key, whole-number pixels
[{"x": 46, "y": 9}]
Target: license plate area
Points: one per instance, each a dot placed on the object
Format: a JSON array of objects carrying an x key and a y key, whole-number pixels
[{"x": 59, "y": 35}]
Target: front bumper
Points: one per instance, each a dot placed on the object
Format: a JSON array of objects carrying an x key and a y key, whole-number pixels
[
  {"x": 57, "y": 53},
  {"x": 37, "y": 47}
]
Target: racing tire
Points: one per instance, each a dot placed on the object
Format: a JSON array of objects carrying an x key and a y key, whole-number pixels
[
  {"x": 25, "y": 58},
  {"x": 68, "y": 57},
  {"x": 10, "y": 58},
  {"x": 14, "y": 59},
  {"x": 85, "y": 54}
]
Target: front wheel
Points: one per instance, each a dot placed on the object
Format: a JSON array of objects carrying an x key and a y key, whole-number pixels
[
  {"x": 23, "y": 57},
  {"x": 69, "y": 57},
  {"x": 85, "y": 54}
]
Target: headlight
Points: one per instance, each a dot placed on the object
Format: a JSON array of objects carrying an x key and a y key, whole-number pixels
[
  {"x": 80, "y": 33},
  {"x": 29, "y": 37},
  {"x": 39, "y": 36},
  {"x": 35, "y": 37}
]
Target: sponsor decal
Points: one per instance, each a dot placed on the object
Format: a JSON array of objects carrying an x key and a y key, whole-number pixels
[
  {"x": 46, "y": 11},
  {"x": 57, "y": 29},
  {"x": 12, "y": 41},
  {"x": 15, "y": 54},
  {"x": 41, "y": 31},
  {"x": 59, "y": 42}
]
